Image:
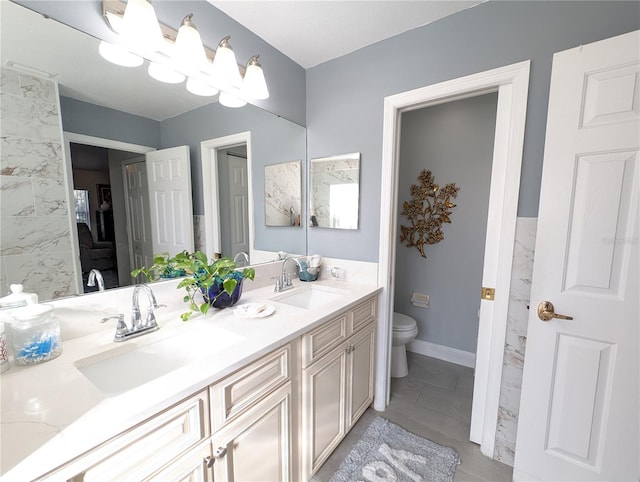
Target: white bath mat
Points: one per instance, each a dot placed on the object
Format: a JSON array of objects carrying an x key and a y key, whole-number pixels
[{"x": 387, "y": 452}]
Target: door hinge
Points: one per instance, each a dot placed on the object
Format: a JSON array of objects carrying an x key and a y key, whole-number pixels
[{"x": 488, "y": 293}]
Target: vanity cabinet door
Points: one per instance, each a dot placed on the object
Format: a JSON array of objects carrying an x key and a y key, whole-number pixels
[
  {"x": 257, "y": 445},
  {"x": 323, "y": 408},
  {"x": 360, "y": 369},
  {"x": 337, "y": 388}
]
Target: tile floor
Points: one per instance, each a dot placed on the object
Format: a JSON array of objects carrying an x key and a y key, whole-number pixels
[{"x": 433, "y": 401}]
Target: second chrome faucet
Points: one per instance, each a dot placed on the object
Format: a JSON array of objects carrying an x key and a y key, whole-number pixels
[
  {"x": 137, "y": 326},
  {"x": 283, "y": 282}
]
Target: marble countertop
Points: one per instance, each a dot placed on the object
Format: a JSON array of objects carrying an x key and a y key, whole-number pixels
[{"x": 51, "y": 413}]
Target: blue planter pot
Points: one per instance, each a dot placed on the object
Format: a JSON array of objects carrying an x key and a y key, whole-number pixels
[{"x": 224, "y": 300}]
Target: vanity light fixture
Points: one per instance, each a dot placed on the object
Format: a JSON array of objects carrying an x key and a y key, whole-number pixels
[
  {"x": 224, "y": 68},
  {"x": 119, "y": 55},
  {"x": 140, "y": 29},
  {"x": 163, "y": 72},
  {"x": 197, "y": 87},
  {"x": 188, "y": 54},
  {"x": 230, "y": 100},
  {"x": 174, "y": 56},
  {"x": 253, "y": 85}
]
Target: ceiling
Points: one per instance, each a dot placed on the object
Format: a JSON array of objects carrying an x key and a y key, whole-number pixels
[{"x": 299, "y": 29}]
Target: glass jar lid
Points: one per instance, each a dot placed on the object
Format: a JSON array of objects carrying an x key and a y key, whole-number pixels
[{"x": 32, "y": 312}]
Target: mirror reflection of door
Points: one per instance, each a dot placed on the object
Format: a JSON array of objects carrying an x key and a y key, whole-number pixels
[
  {"x": 233, "y": 190},
  {"x": 150, "y": 210},
  {"x": 138, "y": 213}
]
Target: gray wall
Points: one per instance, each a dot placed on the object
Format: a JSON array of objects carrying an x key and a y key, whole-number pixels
[
  {"x": 273, "y": 140},
  {"x": 455, "y": 142},
  {"x": 345, "y": 96},
  {"x": 285, "y": 78},
  {"x": 94, "y": 120}
]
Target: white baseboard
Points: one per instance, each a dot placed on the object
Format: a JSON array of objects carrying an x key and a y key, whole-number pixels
[{"x": 441, "y": 352}]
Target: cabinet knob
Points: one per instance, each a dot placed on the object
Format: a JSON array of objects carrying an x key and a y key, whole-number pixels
[
  {"x": 220, "y": 452},
  {"x": 209, "y": 461}
]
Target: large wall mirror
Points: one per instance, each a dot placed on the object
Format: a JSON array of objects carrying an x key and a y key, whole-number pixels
[
  {"x": 129, "y": 108},
  {"x": 283, "y": 193},
  {"x": 334, "y": 191}
]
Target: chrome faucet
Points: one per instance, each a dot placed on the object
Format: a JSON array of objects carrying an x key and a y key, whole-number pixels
[
  {"x": 137, "y": 327},
  {"x": 95, "y": 275},
  {"x": 283, "y": 282},
  {"x": 239, "y": 255}
]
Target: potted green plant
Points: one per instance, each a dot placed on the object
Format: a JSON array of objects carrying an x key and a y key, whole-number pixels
[{"x": 217, "y": 283}]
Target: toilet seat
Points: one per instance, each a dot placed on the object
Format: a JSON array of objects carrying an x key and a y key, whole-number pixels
[{"x": 403, "y": 322}]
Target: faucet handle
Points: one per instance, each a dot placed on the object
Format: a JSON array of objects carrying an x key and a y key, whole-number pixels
[
  {"x": 278, "y": 283},
  {"x": 151, "y": 322},
  {"x": 121, "y": 327}
]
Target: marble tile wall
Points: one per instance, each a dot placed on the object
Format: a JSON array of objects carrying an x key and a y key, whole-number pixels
[
  {"x": 35, "y": 237},
  {"x": 283, "y": 193},
  {"x": 199, "y": 239},
  {"x": 516, "y": 338}
]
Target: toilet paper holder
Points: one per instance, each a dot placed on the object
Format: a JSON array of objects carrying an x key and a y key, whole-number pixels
[{"x": 420, "y": 300}]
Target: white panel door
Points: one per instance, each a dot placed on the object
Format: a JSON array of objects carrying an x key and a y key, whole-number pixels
[
  {"x": 238, "y": 201},
  {"x": 579, "y": 407},
  {"x": 138, "y": 216},
  {"x": 169, "y": 178}
]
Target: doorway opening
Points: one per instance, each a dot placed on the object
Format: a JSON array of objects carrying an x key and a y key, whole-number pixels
[
  {"x": 511, "y": 84},
  {"x": 96, "y": 165},
  {"x": 227, "y": 177}
]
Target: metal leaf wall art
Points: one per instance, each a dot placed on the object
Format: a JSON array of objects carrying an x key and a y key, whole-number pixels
[{"x": 428, "y": 209}]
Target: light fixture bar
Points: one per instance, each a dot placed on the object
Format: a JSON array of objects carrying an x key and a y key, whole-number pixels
[{"x": 115, "y": 8}]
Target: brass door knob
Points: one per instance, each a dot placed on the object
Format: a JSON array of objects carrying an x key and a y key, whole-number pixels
[{"x": 546, "y": 312}]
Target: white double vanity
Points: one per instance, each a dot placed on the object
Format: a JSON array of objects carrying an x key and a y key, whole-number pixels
[{"x": 220, "y": 397}]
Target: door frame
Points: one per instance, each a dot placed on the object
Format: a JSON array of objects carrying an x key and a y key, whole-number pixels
[
  {"x": 68, "y": 138},
  {"x": 512, "y": 84},
  {"x": 210, "y": 190}
]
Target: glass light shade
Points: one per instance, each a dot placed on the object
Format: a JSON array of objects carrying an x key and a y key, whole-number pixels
[
  {"x": 253, "y": 85},
  {"x": 229, "y": 100},
  {"x": 164, "y": 73},
  {"x": 197, "y": 87},
  {"x": 140, "y": 28},
  {"x": 224, "y": 70},
  {"x": 116, "y": 54},
  {"x": 188, "y": 53}
]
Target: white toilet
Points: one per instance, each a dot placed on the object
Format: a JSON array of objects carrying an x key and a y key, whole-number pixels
[{"x": 405, "y": 330}]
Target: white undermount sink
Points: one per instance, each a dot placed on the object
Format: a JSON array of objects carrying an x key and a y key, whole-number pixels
[
  {"x": 310, "y": 296},
  {"x": 130, "y": 365}
]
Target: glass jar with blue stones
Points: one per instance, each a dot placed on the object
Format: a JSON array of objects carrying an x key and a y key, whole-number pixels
[{"x": 36, "y": 335}]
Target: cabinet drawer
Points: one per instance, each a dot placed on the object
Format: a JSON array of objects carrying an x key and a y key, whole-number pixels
[
  {"x": 362, "y": 315},
  {"x": 191, "y": 467},
  {"x": 141, "y": 451},
  {"x": 323, "y": 339},
  {"x": 239, "y": 391}
]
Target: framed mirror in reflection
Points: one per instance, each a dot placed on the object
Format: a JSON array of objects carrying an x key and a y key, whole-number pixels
[
  {"x": 39, "y": 245},
  {"x": 334, "y": 187},
  {"x": 283, "y": 193}
]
